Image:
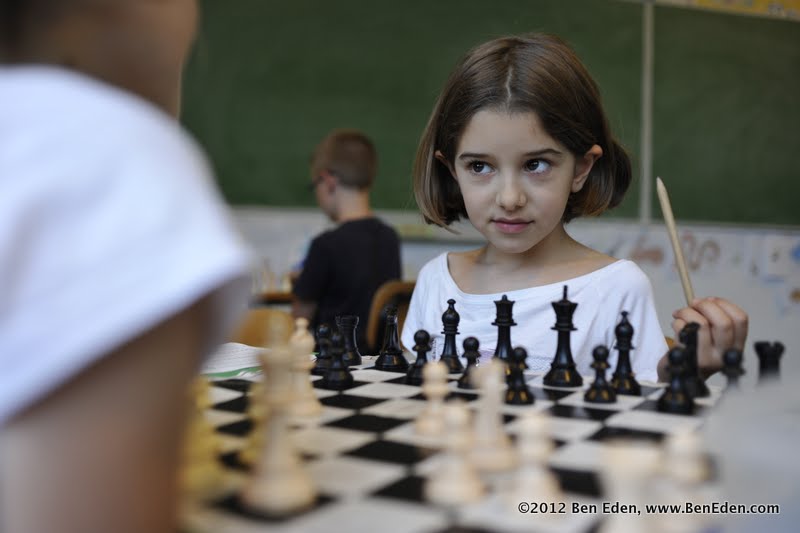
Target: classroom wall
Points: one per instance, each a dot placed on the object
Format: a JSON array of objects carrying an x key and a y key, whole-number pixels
[
  {"x": 758, "y": 268},
  {"x": 269, "y": 79}
]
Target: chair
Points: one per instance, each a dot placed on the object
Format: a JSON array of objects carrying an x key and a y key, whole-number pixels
[
  {"x": 392, "y": 292},
  {"x": 264, "y": 326}
]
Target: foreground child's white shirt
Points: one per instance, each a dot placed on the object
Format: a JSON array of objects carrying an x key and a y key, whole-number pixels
[
  {"x": 109, "y": 223},
  {"x": 601, "y": 296}
]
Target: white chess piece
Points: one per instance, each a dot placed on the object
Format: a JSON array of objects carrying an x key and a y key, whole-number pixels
[
  {"x": 533, "y": 480},
  {"x": 629, "y": 469},
  {"x": 431, "y": 420},
  {"x": 304, "y": 402},
  {"x": 280, "y": 483},
  {"x": 492, "y": 451},
  {"x": 457, "y": 481},
  {"x": 684, "y": 471}
]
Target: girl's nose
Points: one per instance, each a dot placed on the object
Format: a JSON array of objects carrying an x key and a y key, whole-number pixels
[{"x": 510, "y": 196}]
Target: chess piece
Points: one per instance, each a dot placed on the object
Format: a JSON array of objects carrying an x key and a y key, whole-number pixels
[
  {"x": 732, "y": 368},
  {"x": 562, "y": 370},
  {"x": 769, "y": 359},
  {"x": 624, "y": 381},
  {"x": 414, "y": 375},
  {"x": 280, "y": 484},
  {"x": 323, "y": 361},
  {"x": 492, "y": 451},
  {"x": 201, "y": 473},
  {"x": 629, "y": 467},
  {"x": 304, "y": 401},
  {"x": 450, "y": 319},
  {"x": 533, "y": 480},
  {"x": 695, "y": 384},
  {"x": 347, "y": 326},
  {"x": 338, "y": 376},
  {"x": 504, "y": 320},
  {"x": 391, "y": 358},
  {"x": 472, "y": 355},
  {"x": 676, "y": 397},
  {"x": 517, "y": 391},
  {"x": 600, "y": 391},
  {"x": 431, "y": 420},
  {"x": 457, "y": 482}
]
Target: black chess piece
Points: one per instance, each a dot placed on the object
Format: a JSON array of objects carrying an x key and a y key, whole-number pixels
[
  {"x": 347, "y": 325},
  {"x": 600, "y": 390},
  {"x": 472, "y": 355},
  {"x": 623, "y": 380},
  {"x": 676, "y": 398},
  {"x": 695, "y": 385},
  {"x": 422, "y": 346},
  {"x": 732, "y": 368},
  {"x": 450, "y": 320},
  {"x": 562, "y": 370},
  {"x": 504, "y": 320},
  {"x": 338, "y": 376},
  {"x": 391, "y": 358},
  {"x": 323, "y": 361},
  {"x": 769, "y": 360},
  {"x": 517, "y": 391}
]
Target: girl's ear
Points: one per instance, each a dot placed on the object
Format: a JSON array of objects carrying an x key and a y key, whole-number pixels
[
  {"x": 583, "y": 166},
  {"x": 442, "y": 159}
]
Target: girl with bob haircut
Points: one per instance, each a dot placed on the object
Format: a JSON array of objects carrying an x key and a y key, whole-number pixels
[{"x": 519, "y": 144}]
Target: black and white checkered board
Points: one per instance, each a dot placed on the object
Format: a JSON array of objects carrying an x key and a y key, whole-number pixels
[{"x": 369, "y": 465}]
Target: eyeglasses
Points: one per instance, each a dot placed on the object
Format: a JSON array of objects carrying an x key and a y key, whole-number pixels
[{"x": 313, "y": 185}]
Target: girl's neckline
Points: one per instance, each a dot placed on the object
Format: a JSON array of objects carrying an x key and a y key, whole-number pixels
[{"x": 547, "y": 288}]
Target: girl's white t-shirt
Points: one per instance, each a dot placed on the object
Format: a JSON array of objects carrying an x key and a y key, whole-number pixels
[
  {"x": 109, "y": 223},
  {"x": 601, "y": 296}
]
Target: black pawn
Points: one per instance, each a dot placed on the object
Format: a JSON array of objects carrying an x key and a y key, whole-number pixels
[
  {"x": 338, "y": 376},
  {"x": 732, "y": 368},
  {"x": 423, "y": 345},
  {"x": 694, "y": 383},
  {"x": 562, "y": 370},
  {"x": 600, "y": 390},
  {"x": 323, "y": 361},
  {"x": 450, "y": 320},
  {"x": 676, "y": 398},
  {"x": 769, "y": 360},
  {"x": 472, "y": 355},
  {"x": 517, "y": 391},
  {"x": 347, "y": 325},
  {"x": 624, "y": 381},
  {"x": 391, "y": 358},
  {"x": 504, "y": 320}
]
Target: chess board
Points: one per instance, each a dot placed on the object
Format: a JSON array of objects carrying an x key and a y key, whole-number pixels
[{"x": 370, "y": 466}]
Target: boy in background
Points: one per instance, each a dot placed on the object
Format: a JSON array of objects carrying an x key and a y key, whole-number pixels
[{"x": 346, "y": 265}]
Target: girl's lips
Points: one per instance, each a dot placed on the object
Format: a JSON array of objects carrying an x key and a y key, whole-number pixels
[{"x": 511, "y": 226}]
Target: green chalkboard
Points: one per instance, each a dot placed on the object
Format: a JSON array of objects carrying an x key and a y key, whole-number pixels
[
  {"x": 268, "y": 79},
  {"x": 727, "y": 116}
]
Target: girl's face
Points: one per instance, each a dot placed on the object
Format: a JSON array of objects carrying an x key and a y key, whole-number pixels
[{"x": 515, "y": 178}]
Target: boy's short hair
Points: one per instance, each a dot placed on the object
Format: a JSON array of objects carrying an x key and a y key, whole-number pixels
[
  {"x": 349, "y": 155},
  {"x": 535, "y": 73}
]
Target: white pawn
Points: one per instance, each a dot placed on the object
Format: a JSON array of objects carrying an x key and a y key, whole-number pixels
[
  {"x": 534, "y": 481},
  {"x": 280, "y": 484},
  {"x": 628, "y": 473},
  {"x": 685, "y": 470},
  {"x": 431, "y": 420},
  {"x": 457, "y": 482},
  {"x": 304, "y": 402},
  {"x": 492, "y": 451}
]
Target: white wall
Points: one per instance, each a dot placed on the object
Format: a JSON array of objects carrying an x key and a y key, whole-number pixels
[{"x": 758, "y": 268}]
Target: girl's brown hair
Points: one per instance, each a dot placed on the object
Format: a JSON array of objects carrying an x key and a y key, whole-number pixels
[{"x": 536, "y": 73}]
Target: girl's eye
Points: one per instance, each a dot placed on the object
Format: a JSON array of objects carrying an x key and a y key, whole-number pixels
[
  {"x": 479, "y": 167},
  {"x": 537, "y": 166}
]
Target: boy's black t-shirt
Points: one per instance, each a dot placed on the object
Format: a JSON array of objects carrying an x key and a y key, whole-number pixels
[{"x": 343, "y": 269}]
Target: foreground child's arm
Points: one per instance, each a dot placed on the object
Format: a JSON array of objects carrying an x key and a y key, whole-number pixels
[{"x": 723, "y": 325}]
